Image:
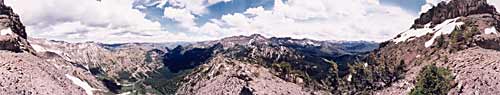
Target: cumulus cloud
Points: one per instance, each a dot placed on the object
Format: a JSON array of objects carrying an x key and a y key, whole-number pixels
[
  {"x": 108, "y": 21},
  {"x": 495, "y": 3},
  {"x": 321, "y": 20},
  {"x": 114, "y": 21},
  {"x": 197, "y": 7},
  {"x": 182, "y": 16}
]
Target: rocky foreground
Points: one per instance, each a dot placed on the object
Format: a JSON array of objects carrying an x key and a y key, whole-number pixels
[{"x": 460, "y": 36}]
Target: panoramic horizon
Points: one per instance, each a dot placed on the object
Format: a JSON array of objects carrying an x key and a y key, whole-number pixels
[
  {"x": 249, "y": 47},
  {"x": 124, "y": 21}
]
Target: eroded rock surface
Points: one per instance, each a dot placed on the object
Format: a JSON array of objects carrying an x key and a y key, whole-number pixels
[{"x": 13, "y": 36}]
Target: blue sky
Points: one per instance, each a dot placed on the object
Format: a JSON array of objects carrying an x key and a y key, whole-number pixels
[
  {"x": 412, "y": 6},
  {"x": 239, "y": 6},
  {"x": 120, "y": 21}
]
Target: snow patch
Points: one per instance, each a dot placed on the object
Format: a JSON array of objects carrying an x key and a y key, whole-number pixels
[
  {"x": 251, "y": 41},
  {"x": 412, "y": 33},
  {"x": 444, "y": 28},
  {"x": 349, "y": 78},
  {"x": 39, "y": 48},
  {"x": 312, "y": 43},
  {"x": 6, "y": 31},
  {"x": 491, "y": 30},
  {"x": 88, "y": 89},
  {"x": 126, "y": 93}
]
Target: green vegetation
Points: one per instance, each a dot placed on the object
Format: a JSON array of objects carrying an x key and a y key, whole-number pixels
[
  {"x": 362, "y": 77},
  {"x": 433, "y": 80},
  {"x": 462, "y": 36},
  {"x": 283, "y": 66}
]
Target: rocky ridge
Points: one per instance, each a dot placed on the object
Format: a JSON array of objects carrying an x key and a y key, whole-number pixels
[
  {"x": 25, "y": 71},
  {"x": 249, "y": 62},
  {"x": 439, "y": 36},
  {"x": 13, "y": 36}
]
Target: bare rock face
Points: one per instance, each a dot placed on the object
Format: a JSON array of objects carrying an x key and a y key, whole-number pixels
[
  {"x": 469, "y": 51},
  {"x": 27, "y": 72},
  {"x": 12, "y": 33},
  {"x": 488, "y": 41},
  {"x": 226, "y": 76},
  {"x": 453, "y": 9},
  {"x": 476, "y": 70},
  {"x": 23, "y": 73}
]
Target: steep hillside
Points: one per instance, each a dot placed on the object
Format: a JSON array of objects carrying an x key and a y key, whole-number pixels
[
  {"x": 12, "y": 33},
  {"x": 24, "y": 71},
  {"x": 459, "y": 35}
]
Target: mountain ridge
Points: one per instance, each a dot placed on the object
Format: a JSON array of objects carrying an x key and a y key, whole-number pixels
[{"x": 458, "y": 37}]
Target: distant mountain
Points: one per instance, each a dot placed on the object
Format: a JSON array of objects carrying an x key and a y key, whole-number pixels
[
  {"x": 454, "y": 48},
  {"x": 251, "y": 63},
  {"x": 159, "y": 68}
]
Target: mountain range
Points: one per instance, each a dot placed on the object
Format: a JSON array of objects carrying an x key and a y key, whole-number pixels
[{"x": 454, "y": 48}]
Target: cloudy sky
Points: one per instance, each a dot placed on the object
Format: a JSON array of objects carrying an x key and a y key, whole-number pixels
[{"x": 119, "y": 21}]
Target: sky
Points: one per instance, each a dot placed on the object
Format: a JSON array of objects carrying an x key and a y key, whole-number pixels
[{"x": 123, "y": 21}]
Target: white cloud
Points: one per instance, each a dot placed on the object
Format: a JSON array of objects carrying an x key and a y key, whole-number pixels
[
  {"x": 114, "y": 21},
  {"x": 182, "y": 16},
  {"x": 495, "y": 3},
  {"x": 321, "y": 20},
  {"x": 108, "y": 21},
  {"x": 197, "y": 7}
]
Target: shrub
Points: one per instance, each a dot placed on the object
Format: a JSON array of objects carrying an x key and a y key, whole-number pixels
[{"x": 433, "y": 80}]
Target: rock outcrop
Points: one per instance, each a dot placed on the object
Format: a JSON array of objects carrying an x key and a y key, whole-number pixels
[
  {"x": 13, "y": 36},
  {"x": 454, "y": 9},
  {"x": 227, "y": 76},
  {"x": 25, "y": 71},
  {"x": 460, "y": 35}
]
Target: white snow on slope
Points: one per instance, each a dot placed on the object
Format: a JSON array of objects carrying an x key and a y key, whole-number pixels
[
  {"x": 491, "y": 30},
  {"x": 39, "y": 48},
  {"x": 412, "y": 33},
  {"x": 88, "y": 89},
  {"x": 445, "y": 27},
  {"x": 6, "y": 31}
]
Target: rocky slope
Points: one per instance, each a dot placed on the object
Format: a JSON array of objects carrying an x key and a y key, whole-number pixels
[
  {"x": 121, "y": 68},
  {"x": 460, "y": 35},
  {"x": 258, "y": 65},
  {"x": 24, "y": 71},
  {"x": 13, "y": 36},
  {"x": 148, "y": 68}
]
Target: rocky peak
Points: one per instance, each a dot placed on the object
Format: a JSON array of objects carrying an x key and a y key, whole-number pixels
[
  {"x": 453, "y": 9},
  {"x": 9, "y": 19},
  {"x": 13, "y": 36}
]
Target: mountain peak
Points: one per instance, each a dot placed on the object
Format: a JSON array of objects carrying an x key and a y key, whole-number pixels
[
  {"x": 453, "y": 9},
  {"x": 13, "y": 36},
  {"x": 256, "y": 36}
]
